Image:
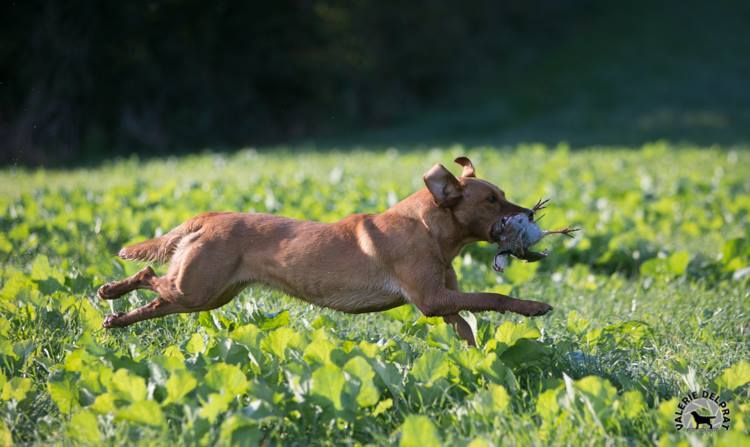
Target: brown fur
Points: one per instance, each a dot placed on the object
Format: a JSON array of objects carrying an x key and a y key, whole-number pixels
[{"x": 363, "y": 263}]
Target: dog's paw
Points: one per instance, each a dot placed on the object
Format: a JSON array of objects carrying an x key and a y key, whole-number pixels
[
  {"x": 110, "y": 321},
  {"x": 535, "y": 308},
  {"x": 105, "y": 292}
]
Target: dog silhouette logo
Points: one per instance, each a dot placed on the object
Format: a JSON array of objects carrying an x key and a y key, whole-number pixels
[{"x": 704, "y": 411}]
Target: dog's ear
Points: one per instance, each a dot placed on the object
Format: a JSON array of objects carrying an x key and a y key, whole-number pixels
[
  {"x": 444, "y": 187},
  {"x": 468, "y": 166}
]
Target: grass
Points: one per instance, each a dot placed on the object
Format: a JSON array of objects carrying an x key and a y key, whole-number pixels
[{"x": 649, "y": 299}]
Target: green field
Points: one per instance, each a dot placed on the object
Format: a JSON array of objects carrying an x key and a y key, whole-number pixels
[{"x": 651, "y": 301}]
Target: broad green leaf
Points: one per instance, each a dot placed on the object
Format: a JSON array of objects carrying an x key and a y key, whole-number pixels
[
  {"x": 547, "y": 405},
  {"x": 491, "y": 401},
  {"x": 404, "y": 314},
  {"x": 469, "y": 359},
  {"x": 652, "y": 267},
  {"x": 216, "y": 405},
  {"x": 389, "y": 375},
  {"x": 145, "y": 412},
  {"x": 498, "y": 372},
  {"x": 480, "y": 442},
  {"x": 319, "y": 349},
  {"x": 78, "y": 360},
  {"x": 246, "y": 334},
  {"x": 368, "y": 393},
  {"x": 382, "y": 406},
  {"x": 104, "y": 404},
  {"x": 279, "y": 320},
  {"x": 526, "y": 352},
  {"x": 431, "y": 366},
  {"x": 733, "y": 248},
  {"x": 41, "y": 270},
  {"x": 84, "y": 428},
  {"x": 735, "y": 376},
  {"x": 632, "y": 404},
  {"x": 577, "y": 324},
  {"x": 443, "y": 336},
  {"x": 64, "y": 393},
  {"x": 665, "y": 413},
  {"x": 89, "y": 315},
  {"x": 419, "y": 431},
  {"x": 328, "y": 382},
  {"x": 237, "y": 430},
  {"x": 226, "y": 378},
  {"x": 509, "y": 333},
  {"x": 16, "y": 388},
  {"x": 279, "y": 340},
  {"x": 596, "y": 387},
  {"x": 128, "y": 386},
  {"x": 173, "y": 351},
  {"x": 678, "y": 262},
  {"x": 6, "y": 437},
  {"x": 180, "y": 383},
  {"x": 196, "y": 344},
  {"x": 598, "y": 394}
]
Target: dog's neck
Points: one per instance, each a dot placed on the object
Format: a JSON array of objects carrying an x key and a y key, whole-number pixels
[{"x": 440, "y": 223}]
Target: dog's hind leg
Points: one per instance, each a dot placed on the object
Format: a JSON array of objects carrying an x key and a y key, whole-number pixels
[
  {"x": 156, "y": 308},
  {"x": 141, "y": 280}
]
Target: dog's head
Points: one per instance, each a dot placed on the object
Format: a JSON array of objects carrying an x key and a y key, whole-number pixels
[{"x": 478, "y": 205}]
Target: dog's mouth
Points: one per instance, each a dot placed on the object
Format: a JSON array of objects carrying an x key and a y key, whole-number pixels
[{"x": 516, "y": 234}]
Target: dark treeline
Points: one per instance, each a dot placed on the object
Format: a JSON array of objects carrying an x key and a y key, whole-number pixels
[{"x": 83, "y": 79}]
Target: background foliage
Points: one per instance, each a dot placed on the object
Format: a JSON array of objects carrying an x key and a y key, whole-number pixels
[{"x": 83, "y": 80}]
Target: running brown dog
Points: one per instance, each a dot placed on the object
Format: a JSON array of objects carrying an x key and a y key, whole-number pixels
[{"x": 363, "y": 263}]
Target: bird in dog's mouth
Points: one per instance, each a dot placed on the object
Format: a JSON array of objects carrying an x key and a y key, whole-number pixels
[{"x": 516, "y": 234}]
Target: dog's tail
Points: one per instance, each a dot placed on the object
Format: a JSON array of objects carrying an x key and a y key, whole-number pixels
[
  {"x": 159, "y": 249},
  {"x": 162, "y": 248}
]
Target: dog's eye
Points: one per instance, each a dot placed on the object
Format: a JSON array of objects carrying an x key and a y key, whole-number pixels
[{"x": 492, "y": 199}]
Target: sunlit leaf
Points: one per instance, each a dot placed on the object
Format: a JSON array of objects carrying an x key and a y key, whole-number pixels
[
  {"x": 226, "y": 378},
  {"x": 6, "y": 437},
  {"x": 196, "y": 344},
  {"x": 493, "y": 400},
  {"x": 64, "y": 393},
  {"x": 84, "y": 428},
  {"x": 216, "y": 404},
  {"x": 419, "y": 431},
  {"x": 431, "y": 366},
  {"x": 104, "y": 404},
  {"x": 576, "y": 324},
  {"x": 16, "y": 388},
  {"x": 145, "y": 412},
  {"x": 368, "y": 393},
  {"x": 508, "y": 333},
  {"x": 735, "y": 376},
  {"x": 678, "y": 262},
  {"x": 128, "y": 386},
  {"x": 179, "y": 384},
  {"x": 328, "y": 382},
  {"x": 280, "y": 339}
]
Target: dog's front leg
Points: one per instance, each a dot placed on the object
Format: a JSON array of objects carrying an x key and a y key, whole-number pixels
[
  {"x": 426, "y": 288},
  {"x": 443, "y": 302},
  {"x": 460, "y": 325}
]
